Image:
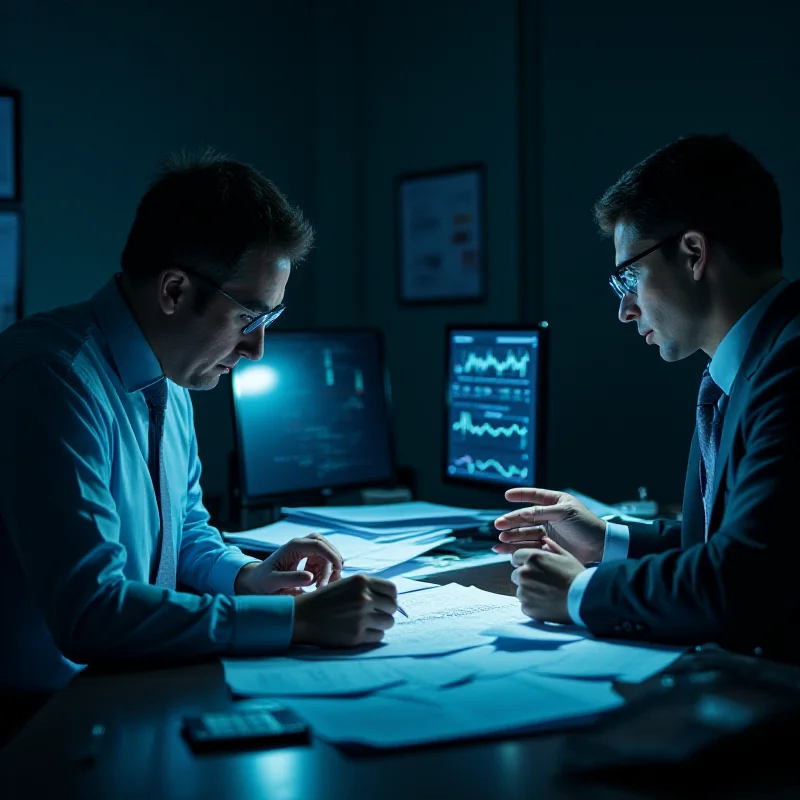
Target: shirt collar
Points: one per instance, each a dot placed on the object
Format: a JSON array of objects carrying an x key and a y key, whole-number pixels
[
  {"x": 732, "y": 349},
  {"x": 134, "y": 359}
]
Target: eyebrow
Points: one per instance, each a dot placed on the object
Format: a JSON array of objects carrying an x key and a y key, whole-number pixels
[{"x": 255, "y": 305}]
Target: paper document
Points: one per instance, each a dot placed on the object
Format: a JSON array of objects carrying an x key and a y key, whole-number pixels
[
  {"x": 270, "y": 677},
  {"x": 411, "y": 513},
  {"x": 441, "y": 620},
  {"x": 405, "y": 585},
  {"x": 592, "y": 658},
  {"x": 399, "y": 718},
  {"x": 532, "y": 631}
]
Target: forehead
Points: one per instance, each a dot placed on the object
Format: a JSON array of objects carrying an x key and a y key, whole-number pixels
[
  {"x": 626, "y": 242},
  {"x": 261, "y": 281}
]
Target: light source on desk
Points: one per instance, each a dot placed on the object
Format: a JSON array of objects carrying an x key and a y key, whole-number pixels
[{"x": 254, "y": 380}]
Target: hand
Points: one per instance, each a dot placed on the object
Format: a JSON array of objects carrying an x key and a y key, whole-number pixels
[
  {"x": 557, "y": 515},
  {"x": 279, "y": 574},
  {"x": 543, "y": 578},
  {"x": 353, "y": 611}
]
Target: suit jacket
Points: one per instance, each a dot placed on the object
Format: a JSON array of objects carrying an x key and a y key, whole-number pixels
[{"x": 741, "y": 588}]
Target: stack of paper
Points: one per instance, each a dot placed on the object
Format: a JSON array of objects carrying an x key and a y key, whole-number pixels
[
  {"x": 391, "y": 518},
  {"x": 361, "y": 552}
]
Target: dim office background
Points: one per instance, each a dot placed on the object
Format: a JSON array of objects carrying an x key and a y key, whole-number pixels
[{"x": 332, "y": 100}]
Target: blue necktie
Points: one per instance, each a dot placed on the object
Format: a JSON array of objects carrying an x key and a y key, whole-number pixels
[
  {"x": 156, "y": 396},
  {"x": 709, "y": 429}
]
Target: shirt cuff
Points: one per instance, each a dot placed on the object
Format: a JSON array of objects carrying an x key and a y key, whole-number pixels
[
  {"x": 223, "y": 575},
  {"x": 618, "y": 540},
  {"x": 575, "y": 595},
  {"x": 263, "y": 624}
]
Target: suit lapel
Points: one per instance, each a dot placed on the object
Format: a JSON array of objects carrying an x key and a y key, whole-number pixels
[
  {"x": 785, "y": 307},
  {"x": 694, "y": 522}
]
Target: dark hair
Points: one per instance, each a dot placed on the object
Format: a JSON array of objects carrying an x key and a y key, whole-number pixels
[
  {"x": 209, "y": 212},
  {"x": 709, "y": 183}
]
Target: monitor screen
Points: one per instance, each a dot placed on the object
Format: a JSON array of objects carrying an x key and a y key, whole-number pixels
[
  {"x": 312, "y": 415},
  {"x": 495, "y": 405}
]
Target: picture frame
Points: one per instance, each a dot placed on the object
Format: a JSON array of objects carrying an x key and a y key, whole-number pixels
[
  {"x": 10, "y": 146},
  {"x": 441, "y": 235},
  {"x": 10, "y": 267}
]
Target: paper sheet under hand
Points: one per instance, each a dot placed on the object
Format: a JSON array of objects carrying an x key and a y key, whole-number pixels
[
  {"x": 442, "y": 620},
  {"x": 400, "y": 718}
]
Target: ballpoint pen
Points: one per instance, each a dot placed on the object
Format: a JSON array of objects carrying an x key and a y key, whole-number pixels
[{"x": 402, "y": 612}]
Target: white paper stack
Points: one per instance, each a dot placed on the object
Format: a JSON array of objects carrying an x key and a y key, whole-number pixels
[{"x": 361, "y": 552}]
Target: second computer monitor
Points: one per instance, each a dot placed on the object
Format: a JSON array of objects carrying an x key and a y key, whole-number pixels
[
  {"x": 494, "y": 425},
  {"x": 313, "y": 415}
]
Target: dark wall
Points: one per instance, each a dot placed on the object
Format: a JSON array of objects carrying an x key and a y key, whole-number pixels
[
  {"x": 618, "y": 80},
  {"x": 109, "y": 89},
  {"x": 334, "y": 100}
]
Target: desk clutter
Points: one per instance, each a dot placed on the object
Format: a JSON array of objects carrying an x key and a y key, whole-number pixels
[
  {"x": 371, "y": 539},
  {"x": 466, "y": 663}
]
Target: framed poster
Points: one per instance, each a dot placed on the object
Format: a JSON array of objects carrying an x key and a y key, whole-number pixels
[
  {"x": 441, "y": 235},
  {"x": 9, "y": 146},
  {"x": 10, "y": 268}
]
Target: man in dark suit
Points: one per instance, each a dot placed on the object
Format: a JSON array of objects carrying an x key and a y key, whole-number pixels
[{"x": 697, "y": 230}]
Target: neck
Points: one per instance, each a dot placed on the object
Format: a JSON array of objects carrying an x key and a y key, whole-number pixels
[
  {"x": 134, "y": 296},
  {"x": 734, "y": 302}
]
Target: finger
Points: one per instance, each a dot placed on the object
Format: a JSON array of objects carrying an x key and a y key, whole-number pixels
[
  {"x": 336, "y": 575},
  {"x": 289, "y": 580},
  {"x": 382, "y": 604},
  {"x": 532, "y": 534},
  {"x": 321, "y": 569},
  {"x": 308, "y": 547},
  {"x": 544, "y": 497},
  {"x": 380, "y": 621},
  {"x": 533, "y": 515},
  {"x": 512, "y": 547},
  {"x": 554, "y": 547},
  {"x": 382, "y": 587},
  {"x": 330, "y": 544},
  {"x": 371, "y": 636},
  {"x": 526, "y": 555}
]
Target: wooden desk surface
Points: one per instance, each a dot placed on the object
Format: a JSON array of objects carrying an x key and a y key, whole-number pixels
[{"x": 144, "y": 755}]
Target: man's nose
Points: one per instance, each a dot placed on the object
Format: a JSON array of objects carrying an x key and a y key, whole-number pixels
[
  {"x": 628, "y": 310},
  {"x": 252, "y": 345}
]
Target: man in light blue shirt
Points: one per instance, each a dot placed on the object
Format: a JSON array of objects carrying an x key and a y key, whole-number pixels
[
  {"x": 697, "y": 229},
  {"x": 96, "y": 564}
]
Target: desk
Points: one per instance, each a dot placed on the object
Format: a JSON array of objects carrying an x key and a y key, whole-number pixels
[{"x": 145, "y": 756}]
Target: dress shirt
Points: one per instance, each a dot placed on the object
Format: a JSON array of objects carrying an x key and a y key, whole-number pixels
[
  {"x": 79, "y": 520},
  {"x": 724, "y": 368}
]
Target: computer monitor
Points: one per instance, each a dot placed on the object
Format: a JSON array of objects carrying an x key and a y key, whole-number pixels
[
  {"x": 312, "y": 415},
  {"x": 495, "y": 405}
]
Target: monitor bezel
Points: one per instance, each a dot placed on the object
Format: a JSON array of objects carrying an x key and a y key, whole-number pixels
[
  {"x": 312, "y": 495},
  {"x": 542, "y": 365}
]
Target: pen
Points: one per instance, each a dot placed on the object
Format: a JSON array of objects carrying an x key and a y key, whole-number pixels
[{"x": 402, "y": 612}]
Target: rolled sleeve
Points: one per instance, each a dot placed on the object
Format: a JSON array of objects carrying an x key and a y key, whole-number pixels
[
  {"x": 617, "y": 542},
  {"x": 263, "y": 624},
  {"x": 575, "y": 595}
]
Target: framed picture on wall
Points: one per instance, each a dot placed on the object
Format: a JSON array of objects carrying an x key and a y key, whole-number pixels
[
  {"x": 10, "y": 268},
  {"x": 9, "y": 146},
  {"x": 441, "y": 235}
]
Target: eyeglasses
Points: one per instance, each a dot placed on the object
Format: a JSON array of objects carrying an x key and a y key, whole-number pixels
[
  {"x": 625, "y": 280},
  {"x": 258, "y": 320}
]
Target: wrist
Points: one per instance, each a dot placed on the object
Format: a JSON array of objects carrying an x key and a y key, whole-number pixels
[
  {"x": 300, "y": 633},
  {"x": 241, "y": 586}
]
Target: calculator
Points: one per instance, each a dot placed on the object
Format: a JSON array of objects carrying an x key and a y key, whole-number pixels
[{"x": 268, "y": 724}]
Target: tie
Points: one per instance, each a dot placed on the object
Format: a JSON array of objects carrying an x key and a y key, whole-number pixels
[
  {"x": 156, "y": 396},
  {"x": 709, "y": 428}
]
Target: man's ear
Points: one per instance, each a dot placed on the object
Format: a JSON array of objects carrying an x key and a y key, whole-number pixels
[
  {"x": 172, "y": 287},
  {"x": 695, "y": 248}
]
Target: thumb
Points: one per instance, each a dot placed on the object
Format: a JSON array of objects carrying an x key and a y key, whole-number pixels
[
  {"x": 555, "y": 548},
  {"x": 289, "y": 580}
]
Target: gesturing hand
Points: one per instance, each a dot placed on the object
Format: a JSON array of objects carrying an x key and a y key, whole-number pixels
[
  {"x": 543, "y": 578},
  {"x": 557, "y": 515},
  {"x": 279, "y": 573}
]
